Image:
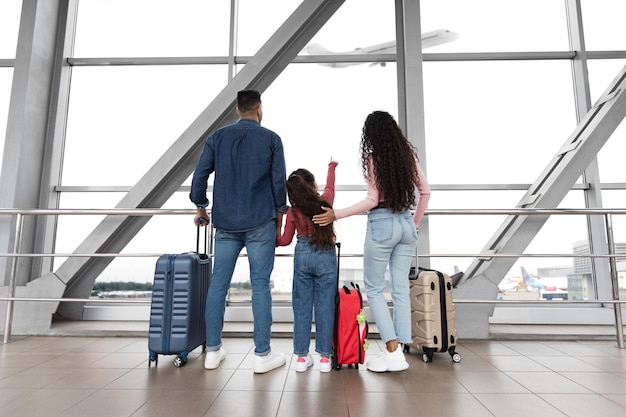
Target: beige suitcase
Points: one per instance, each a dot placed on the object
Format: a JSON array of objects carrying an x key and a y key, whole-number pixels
[{"x": 432, "y": 313}]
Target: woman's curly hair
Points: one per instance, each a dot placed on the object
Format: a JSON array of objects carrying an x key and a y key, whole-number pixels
[
  {"x": 393, "y": 159},
  {"x": 304, "y": 198}
]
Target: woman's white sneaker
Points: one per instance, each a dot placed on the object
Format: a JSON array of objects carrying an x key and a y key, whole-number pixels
[{"x": 388, "y": 361}]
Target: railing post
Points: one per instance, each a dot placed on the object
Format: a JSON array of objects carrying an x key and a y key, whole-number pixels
[
  {"x": 614, "y": 282},
  {"x": 19, "y": 220}
]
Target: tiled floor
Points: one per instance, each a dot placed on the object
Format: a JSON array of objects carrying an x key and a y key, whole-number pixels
[{"x": 110, "y": 376}]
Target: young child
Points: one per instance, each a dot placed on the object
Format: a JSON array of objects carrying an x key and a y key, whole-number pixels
[{"x": 314, "y": 266}]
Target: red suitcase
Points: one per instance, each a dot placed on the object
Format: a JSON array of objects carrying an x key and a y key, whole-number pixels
[{"x": 351, "y": 328}]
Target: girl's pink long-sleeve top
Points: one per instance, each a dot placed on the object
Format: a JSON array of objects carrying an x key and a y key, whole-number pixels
[
  {"x": 374, "y": 196},
  {"x": 291, "y": 226}
]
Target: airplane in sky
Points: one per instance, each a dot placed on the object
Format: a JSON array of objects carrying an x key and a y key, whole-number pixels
[{"x": 429, "y": 39}]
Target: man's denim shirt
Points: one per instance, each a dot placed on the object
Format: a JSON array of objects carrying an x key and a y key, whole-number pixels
[{"x": 249, "y": 185}]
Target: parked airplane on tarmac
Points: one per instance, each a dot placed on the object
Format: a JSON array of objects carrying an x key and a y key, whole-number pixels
[
  {"x": 429, "y": 39},
  {"x": 510, "y": 284},
  {"x": 527, "y": 282},
  {"x": 530, "y": 282}
]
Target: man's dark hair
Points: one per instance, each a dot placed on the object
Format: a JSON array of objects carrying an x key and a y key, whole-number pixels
[{"x": 248, "y": 100}]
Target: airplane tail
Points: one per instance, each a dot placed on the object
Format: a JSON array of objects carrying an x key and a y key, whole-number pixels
[
  {"x": 316, "y": 49},
  {"x": 526, "y": 276}
]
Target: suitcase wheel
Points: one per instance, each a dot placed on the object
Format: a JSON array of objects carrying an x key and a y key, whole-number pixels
[
  {"x": 406, "y": 349},
  {"x": 456, "y": 358},
  {"x": 427, "y": 357},
  {"x": 180, "y": 361},
  {"x": 153, "y": 358}
]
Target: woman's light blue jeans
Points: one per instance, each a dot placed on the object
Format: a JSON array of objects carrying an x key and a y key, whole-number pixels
[
  {"x": 390, "y": 240},
  {"x": 314, "y": 289},
  {"x": 260, "y": 246}
]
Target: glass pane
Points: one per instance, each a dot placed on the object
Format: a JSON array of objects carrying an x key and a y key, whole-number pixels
[
  {"x": 162, "y": 234},
  {"x": 152, "y": 28},
  {"x": 497, "y": 25},
  {"x": 603, "y": 24},
  {"x": 615, "y": 199},
  {"x": 6, "y": 79},
  {"x": 10, "y": 11},
  {"x": 610, "y": 157},
  {"x": 351, "y": 27},
  {"x": 550, "y": 277},
  {"x": 257, "y": 23},
  {"x": 495, "y": 122},
  {"x": 129, "y": 116}
]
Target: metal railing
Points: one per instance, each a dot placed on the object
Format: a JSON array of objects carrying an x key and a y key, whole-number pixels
[{"x": 606, "y": 213}]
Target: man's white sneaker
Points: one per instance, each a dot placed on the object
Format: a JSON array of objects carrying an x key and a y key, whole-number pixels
[
  {"x": 263, "y": 364},
  {"x": 213, "y": 358},
  {"x": 388, "y": 361},
  {"x": 303, "y": 363}
]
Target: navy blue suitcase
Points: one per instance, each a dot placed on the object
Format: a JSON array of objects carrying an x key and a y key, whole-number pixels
[{"x": 181, "y": 282}]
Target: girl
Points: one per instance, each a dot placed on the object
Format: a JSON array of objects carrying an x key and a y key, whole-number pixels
[
  {"x": 314, "y": 266},
  {"x": 390, "y": 166}
]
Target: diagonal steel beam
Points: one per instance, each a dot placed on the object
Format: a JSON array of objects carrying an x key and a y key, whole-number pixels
[
  {"x": 178, "y": 162},
  {"x": 516, "y": 232}
]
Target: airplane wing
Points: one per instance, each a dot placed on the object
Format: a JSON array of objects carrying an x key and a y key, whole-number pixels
[{"x": 429, "y": 39}]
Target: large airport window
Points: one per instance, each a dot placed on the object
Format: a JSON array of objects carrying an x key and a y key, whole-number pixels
[{"x": 495, "y": 122}]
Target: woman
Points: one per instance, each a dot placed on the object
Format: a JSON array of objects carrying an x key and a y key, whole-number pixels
[{"x": 391, "y": 169}]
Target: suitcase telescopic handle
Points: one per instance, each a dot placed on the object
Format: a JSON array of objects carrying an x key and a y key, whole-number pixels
[
  {"x": 338, "y": 244},
  {"x": 206, "y": 239}
]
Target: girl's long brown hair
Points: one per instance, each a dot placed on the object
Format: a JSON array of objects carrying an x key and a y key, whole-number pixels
[{"x": 305, "y": 199}]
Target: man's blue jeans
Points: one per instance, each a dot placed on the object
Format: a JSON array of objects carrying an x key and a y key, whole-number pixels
[
  {"x": 314, "y": 288},
  {"x": 260, "y": 246},
  {"x": 391, "y": 239}
]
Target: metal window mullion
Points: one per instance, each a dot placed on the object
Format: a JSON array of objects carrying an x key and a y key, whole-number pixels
[{"x": 593, "y": 194}]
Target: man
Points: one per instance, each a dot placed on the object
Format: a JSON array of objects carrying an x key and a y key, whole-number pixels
[{"x": 249, "y": 199}]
